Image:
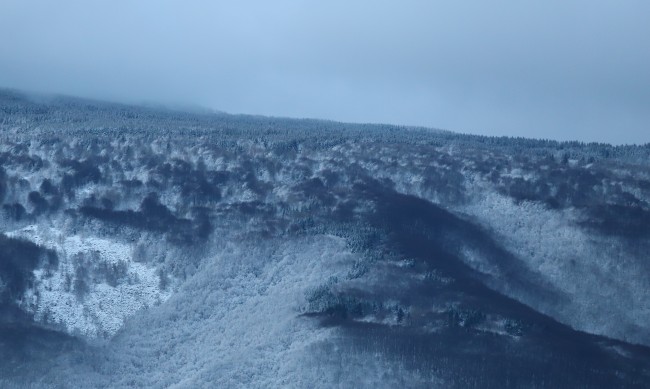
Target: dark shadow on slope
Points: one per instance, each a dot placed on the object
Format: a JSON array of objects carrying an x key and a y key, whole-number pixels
[
  {"x": 156, "y": 217},
  {"x": 28, "y": 350},
  {"x": 22, "y": 342},
  {"x": 436, "y": 236},
  {"x": 18, "y": 259},
  {"x": 456, "y": 327},
  {"x": 466, "y": 358},
  {"x": 627, "y": 221}
]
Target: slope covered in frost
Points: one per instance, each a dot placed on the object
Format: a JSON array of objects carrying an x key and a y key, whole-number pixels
[{"x": 144, "y": 247}]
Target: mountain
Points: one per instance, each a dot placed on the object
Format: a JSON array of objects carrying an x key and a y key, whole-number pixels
[{"x": 150, "y": 247}]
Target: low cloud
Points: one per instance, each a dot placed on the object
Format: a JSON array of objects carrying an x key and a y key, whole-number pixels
[{"x": 558, "y": 69}]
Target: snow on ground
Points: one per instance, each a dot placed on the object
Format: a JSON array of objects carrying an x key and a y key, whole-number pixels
[
  {"x": 237, "y": 323},
  {"x": 101, "y": 310},
  {"x": 586, "y": 268}
]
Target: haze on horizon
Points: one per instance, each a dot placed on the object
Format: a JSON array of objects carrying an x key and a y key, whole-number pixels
[{"x": 572, "y": 69}]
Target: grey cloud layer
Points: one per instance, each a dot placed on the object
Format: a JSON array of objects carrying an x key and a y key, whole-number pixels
[{"x": 554, "y": 69}]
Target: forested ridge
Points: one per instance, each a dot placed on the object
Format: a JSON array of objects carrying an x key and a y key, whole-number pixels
[{"x": 147, "y": 246}]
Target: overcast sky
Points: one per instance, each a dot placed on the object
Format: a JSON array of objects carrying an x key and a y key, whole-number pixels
[{"x": 558, "y": 69}]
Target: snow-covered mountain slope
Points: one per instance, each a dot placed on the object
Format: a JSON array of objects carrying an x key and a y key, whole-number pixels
[
  {"x": 95, "y": 286},
  {"x": 152, "y": 248}
]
